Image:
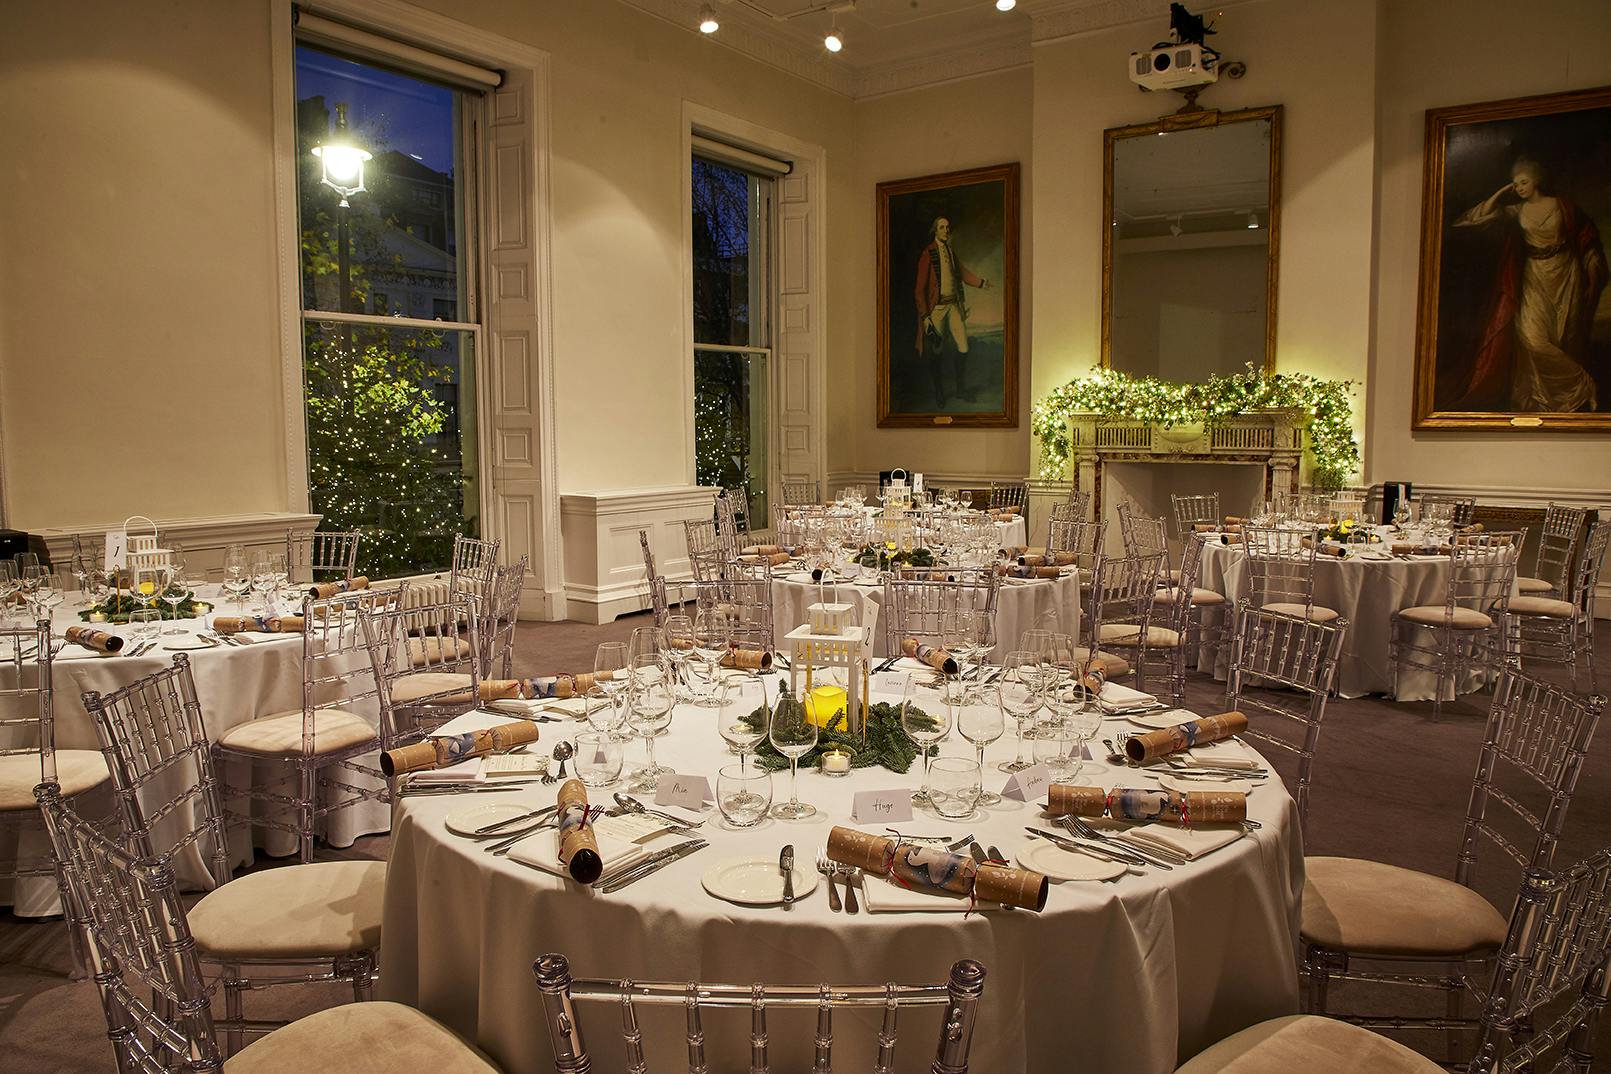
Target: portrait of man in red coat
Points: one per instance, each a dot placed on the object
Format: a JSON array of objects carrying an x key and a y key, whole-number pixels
[{"x": 942, "y": 310}]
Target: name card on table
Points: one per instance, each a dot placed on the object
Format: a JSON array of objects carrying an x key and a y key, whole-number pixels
[
  {"x": 881, "y": 806},
  {"x": 1029, "y": 785},
  {"x": 689, "y": 792},
  {"x": 117, "y": 552}
]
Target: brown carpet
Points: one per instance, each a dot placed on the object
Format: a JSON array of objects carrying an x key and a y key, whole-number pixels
[{"x": 1389, "y": 785}]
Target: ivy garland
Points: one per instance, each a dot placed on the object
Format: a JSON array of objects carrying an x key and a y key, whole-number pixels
[{"x": 1118, "y": 395}]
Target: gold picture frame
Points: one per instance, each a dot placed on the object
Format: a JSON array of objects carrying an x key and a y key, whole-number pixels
[
  {"x": 1511, "y": 278},
  {"x": 949, "y": 360}
]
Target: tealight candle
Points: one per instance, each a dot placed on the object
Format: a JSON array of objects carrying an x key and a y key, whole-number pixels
[{"x": 835, "y": 762}]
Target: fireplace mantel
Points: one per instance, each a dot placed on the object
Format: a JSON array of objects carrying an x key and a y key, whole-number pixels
[{"x": 1272, "y": 439}]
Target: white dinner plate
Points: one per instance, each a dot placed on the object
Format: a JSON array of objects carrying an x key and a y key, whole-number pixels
[
  {"x": 465, "y": 821},
  {"x": 756, "y": 881},
  {"x": 1186, "y": 783},
  {"x": 1161, "y": 720},
  {"x": 1056, "y": 863}
]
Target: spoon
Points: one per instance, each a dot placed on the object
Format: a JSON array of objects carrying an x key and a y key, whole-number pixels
[
  {"x": 564, "y": 751},
  {"x": 630, "y": 804}
]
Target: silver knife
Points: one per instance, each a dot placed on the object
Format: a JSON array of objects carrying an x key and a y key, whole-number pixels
[
  {"x": 1089, "y": 849},
  {"x": 786, "y": 867},
  {"x": 652, "y": 864}
]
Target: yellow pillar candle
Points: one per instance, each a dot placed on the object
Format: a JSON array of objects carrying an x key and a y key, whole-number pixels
[{"x": 825, "y": 702}]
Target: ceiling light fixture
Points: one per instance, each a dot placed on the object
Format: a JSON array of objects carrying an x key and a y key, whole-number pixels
[
  {"x": 835, "y": 39},
  {"x": 707, "y": 20},
  {"x": 1174, "y": 227},
  {"x": 1252, "y": 221},
  {"x": 1006, "y": 5}
]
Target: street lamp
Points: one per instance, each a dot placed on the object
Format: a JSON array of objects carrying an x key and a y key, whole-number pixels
[{"x": 343, "y": 165}]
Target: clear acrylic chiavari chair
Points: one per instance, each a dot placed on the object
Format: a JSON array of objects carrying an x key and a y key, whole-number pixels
[
  {"x": 1124, "y": 595},
  {"x": 799, "y": 491},
  {"x": 709, "y": 553},
  {"x": 497, "y": 633},
  {"x": 148, "y": 970},
  {"x": 659, "y": 598},
  {"x": 1372, "y": 922},
  {"x": 347, "y": 644},
  {"x": 1199, "y": 615},
  {"x": 921, "y": 607},
  {"x": 474, "y": 569},
  {"x": 743, "y": 601},
  {"x": 1272, "y": 654},
  {"x": 1462, "y": 509},
  {"x": 1557, "y": 552},
  {"x": 733, "y": 517},
  {"x": 959, "y": 995},
  {"x": 1007, "y": 494},
  {"x": 434, "y": 674},
  {"x": 321, "y": 555},
  {"x": 1143, "y": 535},
  {"x": 1083, "y": 539},
  {"x": 1562, "y": 631},
  {"x": 1467, "y": 630},
  {"x": 1281, "y": 571},
  {"x": 28, "y": 757},
  {"x": 290, "y": 924},
  {"x": 1193, "y": 511}
]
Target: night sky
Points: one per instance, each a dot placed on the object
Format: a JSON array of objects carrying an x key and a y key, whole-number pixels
[{"x": 384, "y": 110}]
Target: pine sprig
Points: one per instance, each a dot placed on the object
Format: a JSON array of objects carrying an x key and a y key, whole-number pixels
[{"x": 888, "y": 744}]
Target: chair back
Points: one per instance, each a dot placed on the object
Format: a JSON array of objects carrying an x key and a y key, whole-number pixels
[
  {"x": 1462, "y": 509},
  {"x": 1556, "y": 951},
  {"x": 336, "y": 631},
  {"x": 733, "y": 517},
  {"x": 1083, "y": 538},
  {"x": 161, "y": 762},
  {"x": 1281, "y": 565},
  {"x": 1178, "y": 606},
  {"x": 1557, "y": 545},
  {"x": 1586, "y": 576},
  {"x": 1124, "y": 591},
  {"x": 1191, "y": 511},
  {"x": 1270, "y": 654},
  {"x": 322, "y": 555},
  {"x": 497, "y": 631},
  {"x": 440, "y": 637},
  {"x": 141, "y": 953},
  {"x": 1536, "y": 738},
  {"x": 744, "y": 600},
  {"x": 918, "y": 607},
  {"x": 474, "y": 569},
  {"x": 658, "y": 600},
  {"x": 27, "y": 712},
  {"x": 959, "y": 995},
  {"x": 1482, "y": 573},
  {"x": 1005, "y": 494},
  {"x": 709, "y": 552},
  {"x": 1142, "y": 535},
  {"x": 799, "y": 491}
]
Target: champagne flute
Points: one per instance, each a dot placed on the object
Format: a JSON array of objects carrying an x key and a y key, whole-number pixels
[
  {"x": 924, "y": 728},
  {"x": 794, "y": 735},
  {"x": 981, "y": 722},
  {"x": 1020, "y": 697}
]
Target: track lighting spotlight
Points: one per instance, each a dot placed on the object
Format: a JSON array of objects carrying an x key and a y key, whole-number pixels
[
  {"x": 707, "y": 20},
  {"x": 835, "y": 39},
  {"x": 1006, "y": 5},
  {"x": 1252, "y": 221}
]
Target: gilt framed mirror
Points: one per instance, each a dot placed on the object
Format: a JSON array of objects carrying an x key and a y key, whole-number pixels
[{"x": 1192, "y": 210}]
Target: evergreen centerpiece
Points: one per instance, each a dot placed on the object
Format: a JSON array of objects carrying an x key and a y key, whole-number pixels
[
  {"x": 884, "y": 557},
  {"x": 888, "y": 745},
  {"x": 1350, "y": 532},
  {"x": 119, "y": 603}
]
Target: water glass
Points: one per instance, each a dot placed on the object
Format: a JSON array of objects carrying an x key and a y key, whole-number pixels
[
  {"x": 1053, "y": 746},
  {"x": 145, "y": 623},
  {"x": 954, "y": 786},
  {"x": 743, "y": 795},
  {"x": 598, "y": 757},
  {"x": 602, "y": 712}
]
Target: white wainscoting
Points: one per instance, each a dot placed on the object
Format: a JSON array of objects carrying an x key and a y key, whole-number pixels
[
  {"x": 604, "y": 576},
  {"x": 203, "y": 539}
]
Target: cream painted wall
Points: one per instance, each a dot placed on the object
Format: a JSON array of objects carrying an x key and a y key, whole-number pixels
[
  {"x": 138, "y": 332},
  {"x": 1485, "y": 50},
  {"x": 944, "y": 128},
  {"x": 1328, "y": 160}
]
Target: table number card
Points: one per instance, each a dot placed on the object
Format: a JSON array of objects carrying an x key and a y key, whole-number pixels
[
  {"x": 117, "y": 552},
  {"x": 1029, "y": 785},
  {"x": 885, "y": 807},
  {"x": 689, "y": 792}
]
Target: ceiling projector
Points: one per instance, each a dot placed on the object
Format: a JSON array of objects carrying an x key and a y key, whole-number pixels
[{"x": 1173, "y": 67}]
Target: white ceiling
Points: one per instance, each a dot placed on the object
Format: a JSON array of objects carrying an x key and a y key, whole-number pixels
[{"x": 886, "y": 31}]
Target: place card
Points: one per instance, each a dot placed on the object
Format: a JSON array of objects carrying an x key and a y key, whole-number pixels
[
  {"x": 883, "y": 807},
  {"x": 1029, "y": 785},
  {"x": 689, "y": 792}
]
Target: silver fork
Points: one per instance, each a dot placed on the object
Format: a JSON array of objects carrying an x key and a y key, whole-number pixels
[
  {"x": 848, "y": 874},
  {"x": 826, "y": 868},
  {"x": 1164, "y": 859}
]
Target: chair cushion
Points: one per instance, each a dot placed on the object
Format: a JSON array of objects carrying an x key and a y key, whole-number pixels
[
  {"x": 1555, "y": 609},
  {"x": 280, "y": 734},
  {"x": 1533, "y": 585},
  {"x": 1318, "y": 613},
  {"x": 76, "y": 772},
  {"x": 361, "y": 1038},
  {"x": 1313, "y": 1045},
  {"x": 431, "y": 684},
  {"x": 436, "y": 650},
  {"x": 1198, "y": 596},
  {"x": 1112, "y": 665},
  {"x": 320, "y": 910},
  {"x": 1366, "y": 907},
  {"x": 1436, "y": 615},
  {"x": 1128, "y": 636}
]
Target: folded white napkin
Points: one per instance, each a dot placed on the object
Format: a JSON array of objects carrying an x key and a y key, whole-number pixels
[
  {"x": 1124, "y": 697},
  {"x": 886, "y": 896},
  {"x": 1224, "y": 754},
  {"x": 1192, "y": 842},
  {"x": 474, "y": 720},
  {"x": 542, "y": 851},
  {"x": 464, "y": 772}
]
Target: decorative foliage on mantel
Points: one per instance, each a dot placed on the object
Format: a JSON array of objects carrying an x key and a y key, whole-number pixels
[{"x": 1121, "y": 397}]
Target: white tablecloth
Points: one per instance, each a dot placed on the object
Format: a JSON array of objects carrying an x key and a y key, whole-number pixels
[
  {"x": 1123, "y": 977},
  {"x": 1023, "y": 604},
  {"x": 234, "y": 684},
  {"x": 1365, "y": 591}
]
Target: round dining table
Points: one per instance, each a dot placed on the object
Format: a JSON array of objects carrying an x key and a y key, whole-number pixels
[
  {"x": 258, "y": 675},
  {"x": 1126, "y": 976},
  {"x": 1365, "y": 587},
  {"x": 1022, "y": 604}
]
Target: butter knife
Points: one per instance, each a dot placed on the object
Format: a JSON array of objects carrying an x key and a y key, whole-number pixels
[
  {"x": 786, "y": 867},
  {"x": 652, "y": 864}
]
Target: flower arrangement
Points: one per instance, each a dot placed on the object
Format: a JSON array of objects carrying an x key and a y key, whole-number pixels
[{"x": 1118, "y": 395}]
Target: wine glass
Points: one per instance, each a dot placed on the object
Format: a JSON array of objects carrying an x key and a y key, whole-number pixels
[
  {"x": 679, "y": 643},
  {"x": 924, "y": 728},
  {"x": 1066, "y": 701},
  {"x": 794, "y": 735},
  {"x": 1020, "y": 697},
  {"x": 237, "y": 575},
  {"x": 49, "y": 592},
  {"x": 649, "y": 707},
  {"x": 646, "y": 641},
  {"x": 710, "y": 646},
  {"x": 610, "y": 675},
  {"x": 1401, "y": 513},
  {"x": 32, "y": 575},
  {"x": 981, "y": 722},
  {"x": 10, "y": 585},
  {"x": 262, "y": 575},
  {"x": 172, "y": 590},
  {"x": 745, "y": 716},
  {"x": 602, "y": 713}
]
